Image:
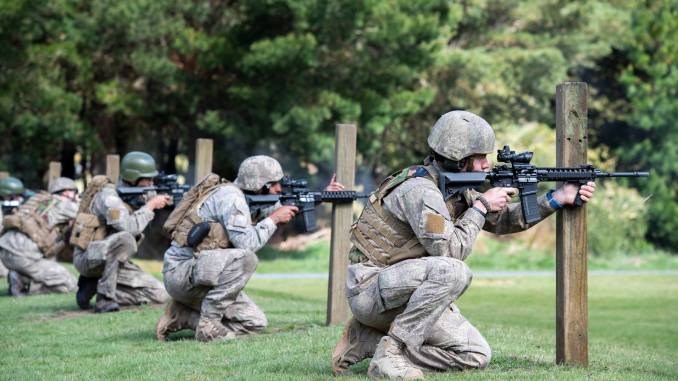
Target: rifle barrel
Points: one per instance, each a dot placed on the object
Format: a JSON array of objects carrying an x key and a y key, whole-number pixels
[{"x": 629, "y": 174}]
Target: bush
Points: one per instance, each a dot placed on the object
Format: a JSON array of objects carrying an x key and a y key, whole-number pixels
[{"x": 617, "y": 221}]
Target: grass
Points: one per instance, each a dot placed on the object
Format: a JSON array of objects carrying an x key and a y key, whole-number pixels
[
  {"x": 633, "y": 335},
  {"x": 489, "y": 254}
]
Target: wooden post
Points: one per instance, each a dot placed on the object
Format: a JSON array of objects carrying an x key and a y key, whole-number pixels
[
  {"x": 571, "y": 256},
  {"x": 113, "y": 168},
  {"x": 203, "y": 158},
  {"x": 342, "y": 217},
  {"x": 54, "y": 172}
]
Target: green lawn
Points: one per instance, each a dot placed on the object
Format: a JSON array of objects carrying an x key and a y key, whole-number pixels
[
  {"x": 491, "y": 255},
  {"x": 633, "y": 335}
]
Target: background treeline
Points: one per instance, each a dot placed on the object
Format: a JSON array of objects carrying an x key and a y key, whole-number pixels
[{"x": 95, "y": 77}]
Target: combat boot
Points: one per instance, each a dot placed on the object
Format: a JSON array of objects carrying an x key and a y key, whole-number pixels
[
  {"x": 175, "y": 318},
  {"x": 389, "y": 362},
  {"x": 17, "y": 287},
  {"x": 87, "y": 288},
  {"x": 105, "y": 304},
  {"x": 212, "y": 330},
  {"x": 357, "y": 343}
]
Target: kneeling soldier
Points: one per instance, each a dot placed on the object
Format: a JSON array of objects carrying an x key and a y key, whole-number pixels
[
  {"x": 407, "y": 264},
  {"x": 34, "y": 235},
  {"x": 11, "y": 191},
  {"x": 106, "y": 236},
  {"x": 205, "y": 277}
]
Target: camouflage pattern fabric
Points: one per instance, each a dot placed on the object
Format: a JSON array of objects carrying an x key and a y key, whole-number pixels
[
  {"x": 256, "y": 171},
  {"x": 19, "y": 253},
  {"x": 413, "y": 299},
  {"x": 109, "y": 259},
  {"x": 212, "y": 283},
  {"x": 460, "y": 134}
]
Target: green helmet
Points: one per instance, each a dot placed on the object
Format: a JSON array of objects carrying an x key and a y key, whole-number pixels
[
  {"x": 257, "y": 171},
  {"x": 460, "y": 134},
  {"x": 11, "y": 186},
  {"x": 136, "y": 165},
  {"x": 62, "y": 184}
]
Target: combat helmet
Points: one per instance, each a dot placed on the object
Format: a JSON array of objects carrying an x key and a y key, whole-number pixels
[
  {"x": 11, "y": 186},
  {"x": 136, "y": 165},
  {"x": 62, "y": 184},
  {"x": 460, "y": 134},
  {"x": 257, "y": 171}
]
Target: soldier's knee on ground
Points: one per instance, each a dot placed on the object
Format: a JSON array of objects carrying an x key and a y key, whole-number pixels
[
  {"x": 258, "y": 322},
  {"x": 478, "y": 360}
]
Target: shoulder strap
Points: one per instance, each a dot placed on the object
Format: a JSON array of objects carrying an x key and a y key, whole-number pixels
[{"x": 94, "y": 186}]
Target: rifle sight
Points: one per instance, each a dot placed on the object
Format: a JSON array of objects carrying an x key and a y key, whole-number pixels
[{"x": 505, "y": 155}]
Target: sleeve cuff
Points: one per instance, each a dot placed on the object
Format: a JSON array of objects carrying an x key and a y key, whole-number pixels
[
  {"x": 268, "y": 224},
  {"x": 475, "y": 216}
]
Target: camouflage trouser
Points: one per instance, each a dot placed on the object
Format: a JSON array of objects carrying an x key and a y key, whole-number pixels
[
  {"x": 119, "y": 279},
  {"x": 213, "y": 283},
  {"x": 3, "y": 270},
  {"x": 412, "y": 300},
  {"x": 44, "y": 275}
]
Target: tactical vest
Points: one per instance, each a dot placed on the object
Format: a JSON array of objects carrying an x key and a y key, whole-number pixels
[
  {"x": 382, "y": 237},
  {"x": 88, "y": 227},
  {"x": 31, "y": 219},
  {"x": 185, "y": 216}
]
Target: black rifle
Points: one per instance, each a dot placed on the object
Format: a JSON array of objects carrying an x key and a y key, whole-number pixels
[
  {"x": 525, "y": 177},
  {"x": 8, "y": 206},
  {"x": 295, "y": 193},
  {"x": 163, "y": 184}
]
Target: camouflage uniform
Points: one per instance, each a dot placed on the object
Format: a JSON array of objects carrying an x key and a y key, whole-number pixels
[
  {"x": 109, "y": 259},
  {"x": 212, "y": 283},
  {"x": 3, "y": 269},
  {"x": 38, "y": 274},
  {"x": 413, "y": 299}
]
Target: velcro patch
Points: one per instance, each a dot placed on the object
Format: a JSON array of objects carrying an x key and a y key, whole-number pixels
[
  {"x": 113, "y": 214},
  {"x": 435, "y": 223}
]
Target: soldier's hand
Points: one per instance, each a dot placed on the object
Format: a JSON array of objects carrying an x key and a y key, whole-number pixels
[
  {"x": 334, "y": 186},
  {"x": 498, "y": 198},
  {"x": 566, "y": 194},
  {"x": 158, "y": 202},
  {"x": 284, "y": 214}
]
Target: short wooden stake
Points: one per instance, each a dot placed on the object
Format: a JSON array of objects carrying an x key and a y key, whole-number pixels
[
  {"x": 342, "y": 217},
  {"x": 113, "y": 167},
  {"x": 571, "y": 238},
  {"x": 203, "y": 158}
]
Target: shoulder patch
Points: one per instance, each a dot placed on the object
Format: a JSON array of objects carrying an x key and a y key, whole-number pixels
[
  {"x": 113, "y": 214},
  {"x": 435, "y": 223}
]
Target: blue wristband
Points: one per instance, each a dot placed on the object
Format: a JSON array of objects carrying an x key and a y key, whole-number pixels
[{"x": 552, "y": 201}]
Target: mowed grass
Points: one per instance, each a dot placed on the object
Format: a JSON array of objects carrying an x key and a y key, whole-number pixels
[{"x": 633, "y": 335}]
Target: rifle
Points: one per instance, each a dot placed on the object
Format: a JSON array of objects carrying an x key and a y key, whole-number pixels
[
  {"x": 164, "y": 184},
  {"x": 295, "y": 193},
  {"x": 8, "y": 206},
  {"x": 525, "y": 177}
]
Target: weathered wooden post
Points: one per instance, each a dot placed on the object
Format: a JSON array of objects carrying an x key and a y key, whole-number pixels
[
  {"x": 571, "y": 238},
  {"x": 113, "y": 167},
  {"x": 203, "y": 158},
  {"x": 342, "y": 217},
  {"x": 54, "y": 172}
]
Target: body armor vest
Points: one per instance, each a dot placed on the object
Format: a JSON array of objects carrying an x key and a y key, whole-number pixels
[
  {"x": 185, "y": 216},
  {"x": 88, "y": 227},
  {"x": 380, "y": 236},
  {"x": 31, "y": 219}
]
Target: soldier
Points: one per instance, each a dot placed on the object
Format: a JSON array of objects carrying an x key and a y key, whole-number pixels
[
  {"x": 34, "y": 235},
  {"x": 106, "y": 235},
  {"x": 407, "y": 264},
  {"x": 11, "y": 191},
  {"x": 206, "y": 283}
]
